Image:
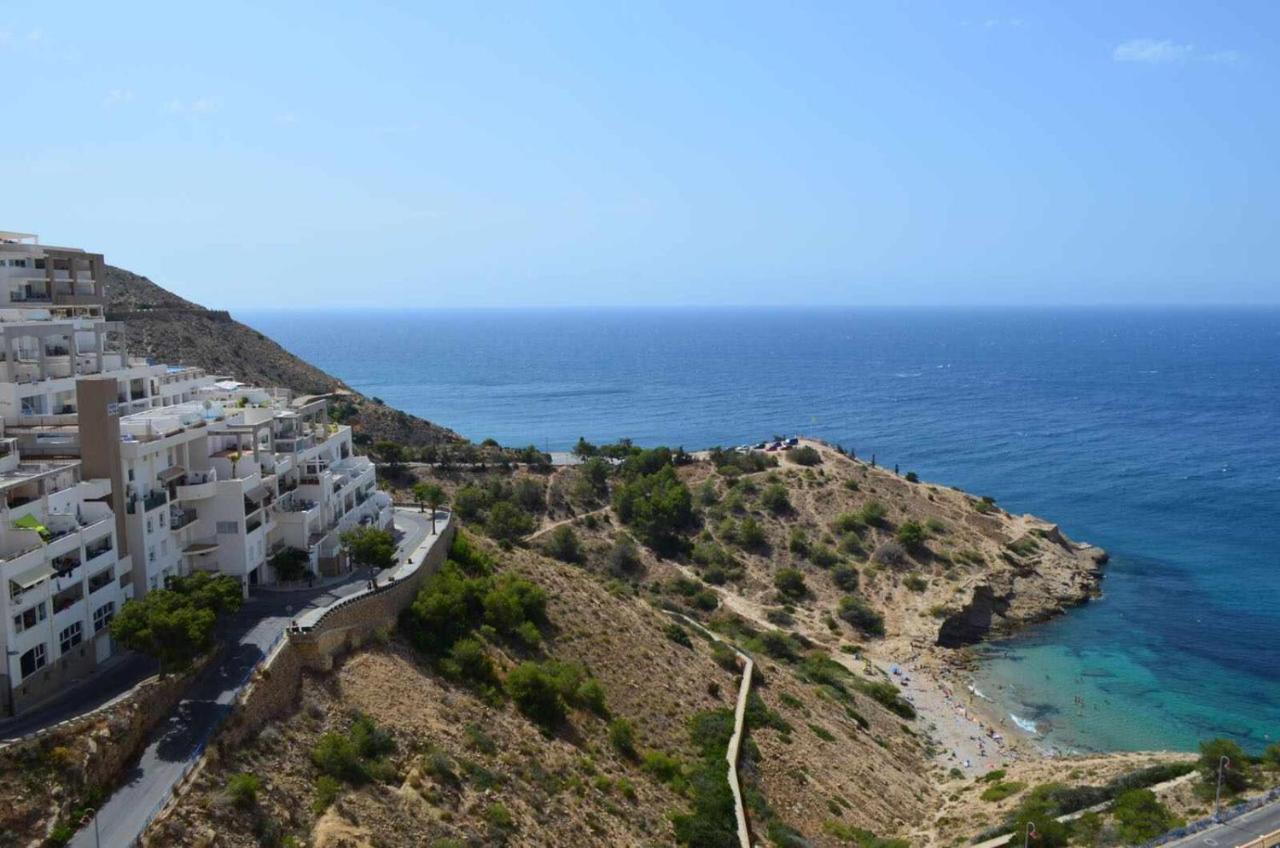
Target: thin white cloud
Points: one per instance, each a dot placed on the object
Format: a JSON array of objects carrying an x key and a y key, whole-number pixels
[
  {"x": 198, "y": 106},
  {"x": 1154, "y": 51},
  {"x": 1151, "y": 51},
  {"x": 994, "y": 23},
  {"x": 1223, "y": 57},
  {"x": 35, "y": 35},
  {"x": 286, "y": 119},
  {"x": 117, "y": 97}
]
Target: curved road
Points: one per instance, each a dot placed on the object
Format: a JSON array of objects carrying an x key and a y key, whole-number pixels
[
  {"x": 179, "y": 739},
  {"x": 1238, "y": 831}
]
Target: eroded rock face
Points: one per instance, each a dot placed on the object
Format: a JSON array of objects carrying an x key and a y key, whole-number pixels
[{"x": 974, "y": 621}]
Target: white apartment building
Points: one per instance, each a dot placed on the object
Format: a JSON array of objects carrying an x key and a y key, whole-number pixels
[
  {"x": 185, "y": 471},
  {"x": 223, "y": 483},
  {"x": 62, "y": 573}
]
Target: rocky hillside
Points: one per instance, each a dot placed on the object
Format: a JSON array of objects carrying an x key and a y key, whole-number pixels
[
  {"x": 168, "y": 328},
  {"x": 463, "y": 764}
]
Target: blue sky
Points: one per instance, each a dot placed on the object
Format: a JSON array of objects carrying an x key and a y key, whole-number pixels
[{"x": 591, "y": 153}]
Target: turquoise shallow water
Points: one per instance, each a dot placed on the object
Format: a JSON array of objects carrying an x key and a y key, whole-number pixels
[{"x": 1154, "y": 433}]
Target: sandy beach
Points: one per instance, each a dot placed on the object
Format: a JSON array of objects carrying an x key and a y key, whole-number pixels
[{"x": 971, "y": 733}]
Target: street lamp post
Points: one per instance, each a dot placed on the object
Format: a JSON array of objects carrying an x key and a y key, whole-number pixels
[
  {"x": 1031, "y": 831},
  {"x": 1223, "y": 762},
  {"x": 84, "y": 820}
]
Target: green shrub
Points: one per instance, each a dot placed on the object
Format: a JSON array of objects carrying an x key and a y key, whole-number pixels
[
  {"x": 327, "y": 790},
  {"x": 499, "y": 819},
  {"x": 849, "y": 522},
  {"x": 912, "y": 477},
  {"x": 750, "y": 534},
  {"x": 371, "y": 742},
  {"x": 1235, "y": 777},
  {"x": 1140, "y": 816},
  {"x": 337, "y": 756},
  {"x": 469, "y": 502},
  {"x": 911, "y": 534},
  {"x": 798, "y": 542},
  {"x": 563, "y": 544},
  {"x": 622, "y": 736},
  {"x": 543, "y": 691},
  {"x": 469, "y": 661},
  {"x": 508, "y": 522},
  {"x": 888, "y": 696},
  {"x": 663, "y": 766},
  {"x": 858, "y": 613},
  {"x": 790, "y": 582},
  {"x": 915, "y": 583},
  {"x": 678, "y": 634},
  {"x": 535, "y": 694},
  {"x": 775, "y": 499},
  {"x": 873, "y": 513},
  {"x": 706, "y": 600},
  {"x": 804, "y": 455},
  {"x": 530, "y": 494},
  {"x": 1003, "y": 789},
  {"x": 823, "y": 557},
  {"x": 243, "y": 789},
  {"x": 624, "y": 559},
  {"x": 860, "y": 838},
  {"x": 822, "y": 733},
  {"x": 657, "y": 505},
  {"x": 845, "y": 577},
  {"x": 935, "y": 527}
]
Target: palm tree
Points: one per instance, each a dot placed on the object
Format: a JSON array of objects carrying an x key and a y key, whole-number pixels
[{"x": 433, "y": 496}]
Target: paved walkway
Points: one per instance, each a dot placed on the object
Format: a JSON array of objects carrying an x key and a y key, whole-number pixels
[
  {"x": 180, "y": 738},
  {"x": 1239, "y": 831}
]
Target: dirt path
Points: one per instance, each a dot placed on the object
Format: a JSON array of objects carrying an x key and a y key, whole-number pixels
[{"x": 542, "y": 531}]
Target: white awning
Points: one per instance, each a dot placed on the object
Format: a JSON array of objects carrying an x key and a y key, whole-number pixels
[{"x": 34, "y": 577}]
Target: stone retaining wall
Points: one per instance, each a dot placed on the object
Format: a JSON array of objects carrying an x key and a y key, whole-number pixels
[{"x": 349, "y": 624}]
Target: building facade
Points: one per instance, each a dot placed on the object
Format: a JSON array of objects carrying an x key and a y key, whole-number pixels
[{"x": 121, "y": 474}]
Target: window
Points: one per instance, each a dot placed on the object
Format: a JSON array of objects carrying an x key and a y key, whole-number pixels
[
  {"x": 151, "y": 554},
  {"x": 228, "y": 528},
  {"x": 70, "y": 637},
  {"x": 29, "y": 618},
  {"x": 33, "y": 660},
  {"x": 102, "y": 615}
]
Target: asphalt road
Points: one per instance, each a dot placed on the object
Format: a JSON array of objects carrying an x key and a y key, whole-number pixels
[
  {"x": 1238, "y": 831},
  {"x": 178, "y": 740}
]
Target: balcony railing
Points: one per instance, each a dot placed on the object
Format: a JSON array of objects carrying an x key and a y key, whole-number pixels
[
  {"x": 179, "y": 518},
  {"x": 98, "y": 548},
  {"x": 100, "y": 580},
  {"x": 152, "y": 500}
]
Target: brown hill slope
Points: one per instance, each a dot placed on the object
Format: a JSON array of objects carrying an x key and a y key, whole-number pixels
[
  {"x": 168, "y": 328},
  {"x": 471, "y": 768}
]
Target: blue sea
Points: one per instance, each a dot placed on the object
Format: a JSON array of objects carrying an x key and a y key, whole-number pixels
[{"x": 1153, "y": 433}]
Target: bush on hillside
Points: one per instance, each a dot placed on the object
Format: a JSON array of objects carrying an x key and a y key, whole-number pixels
[
  {"x": 858, "y": 613},
  {"x": 1235, "y": 775},
  {"x": 775, "y": 499},
  {"x": 804, "y": 455},
  {"x": 658, "y": 506},
  {"x": 845, "y": 577},
  {"x": 563, "y": 544},
  {"x": 911, "y": 534},
  {"x": 507, "y": 522},
  {"x": 1140, "y": 816},
  {"x": 790, "y": 582}
]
